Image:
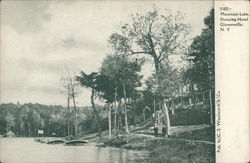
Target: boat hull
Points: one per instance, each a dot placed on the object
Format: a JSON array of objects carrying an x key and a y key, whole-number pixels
[{"x": 76, "y": 143}]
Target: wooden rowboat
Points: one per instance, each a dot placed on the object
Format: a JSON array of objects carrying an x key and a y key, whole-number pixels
[
  {"x": 58, "y": 141},
  {"x": 76, "y": 142}
]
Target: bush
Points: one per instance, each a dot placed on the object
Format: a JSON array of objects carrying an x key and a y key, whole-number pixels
[{"x": 70, "y": 137}]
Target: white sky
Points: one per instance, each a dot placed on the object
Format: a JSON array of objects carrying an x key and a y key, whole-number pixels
[{"x": 40, "y": 40}]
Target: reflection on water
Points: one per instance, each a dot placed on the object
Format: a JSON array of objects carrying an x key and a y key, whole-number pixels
[{"x": 27, "y": 150}]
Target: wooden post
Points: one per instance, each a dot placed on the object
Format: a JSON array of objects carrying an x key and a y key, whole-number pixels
[
  {"x": 75, "y": 117},
  {"x": 211, "y": 107}
]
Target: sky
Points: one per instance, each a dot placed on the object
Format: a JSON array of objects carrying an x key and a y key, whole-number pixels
[{"x": 43, "y": 41}]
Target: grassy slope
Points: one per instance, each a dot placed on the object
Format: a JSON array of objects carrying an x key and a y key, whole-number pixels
[
  {"x": 169, "y": 150},
  {"x": 205, "y": 134}
]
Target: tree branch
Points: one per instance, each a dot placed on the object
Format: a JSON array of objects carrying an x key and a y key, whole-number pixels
[
  {"x": 151, "y": 44},
  {"x": 141, "y": 52},
  {"x": 166, "y": 43}
]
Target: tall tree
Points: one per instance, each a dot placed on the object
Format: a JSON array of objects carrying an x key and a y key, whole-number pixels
[
  {"x": 66, "y": 85},
  {"x": 26, "y": 119},
  {"x": 201, "y": 56},
  {"x": 105, "y": 88},
  {"x": 171, "y": 81},
  {"x": 123, "y": 72},
  {"x": 90, "y": 81},
  {"x": 153, "y": 34},
  {"x": 71, "y": 90},
  {"x": 74, "y": 92}
]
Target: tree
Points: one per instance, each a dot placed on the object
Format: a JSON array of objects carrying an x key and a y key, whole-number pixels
[
  {"x": 67, "y": 91},
  {"x": 201, "y": 57},
  {"x": 37, "y": 122},
  {"x": 105, "y": 89},
  {"x": 153, "y": 34},
  {"x": 123, "y": 77},
  {"x": 171, "y": 81},
  {"x": 71, "y": 89},
  {"x": 26, "y": 119},
  {"x": 25, "y": 116},
  {"x": 74, "y": 92},
  {"x": 10, "y": 121},
  {"x": 90, "y": 81}
]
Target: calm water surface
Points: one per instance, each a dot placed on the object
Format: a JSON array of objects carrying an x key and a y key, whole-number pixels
[{"x": 27, "y": 150}]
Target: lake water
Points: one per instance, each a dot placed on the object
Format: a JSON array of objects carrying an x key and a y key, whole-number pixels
[{"x": 27, "y": 150}]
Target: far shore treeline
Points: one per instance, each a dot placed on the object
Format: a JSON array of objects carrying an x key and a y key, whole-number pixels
[{"x": 26, "y": 119}]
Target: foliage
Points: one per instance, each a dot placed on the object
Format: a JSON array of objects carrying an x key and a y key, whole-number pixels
[
  {"x": 201, "y": 56},
  {"x": 88, "y": 81},
  {"x": 26, "y": 119},
  {"x": 118, "y": 70},
  {"x": 156, "y": 35},
  {"x": 10, "y": 120},
  {"x": 171, "y": 82},
  {"x": 92, "y": 81},
  {"x": 151, "y": 32}
]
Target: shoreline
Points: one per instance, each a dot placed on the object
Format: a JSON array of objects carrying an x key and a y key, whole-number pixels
[{"x": 194, "y": 146}]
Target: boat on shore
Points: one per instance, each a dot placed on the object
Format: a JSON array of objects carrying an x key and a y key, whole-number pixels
[
  {"x": 76, "y": 142},
  {"x": 57, "y": 141}
]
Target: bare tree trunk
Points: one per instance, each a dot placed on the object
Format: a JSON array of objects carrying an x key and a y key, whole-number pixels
[
  {"x": 29, "y": 129},
  {"x": 96, "y": 114},
  {"x": 115, "y": 107},
  {"x": 115, "y": 121},
  {"x": 75, "y": 119},
  {"x": 68, "y": 116},
  {"x": 164, "y": 108},
  {"x": 166, "y": 117},
  {"x": 125, "y": 109},
  {"x": 109, "y": 117},
  {"x": 157, "y": 69}
]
